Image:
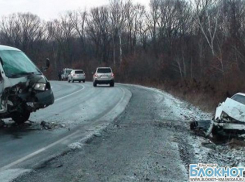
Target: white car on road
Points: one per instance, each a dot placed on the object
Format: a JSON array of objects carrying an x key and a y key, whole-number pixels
[
  {"x": 103, "y": 75},
  {"x": 77, "y": 75}
]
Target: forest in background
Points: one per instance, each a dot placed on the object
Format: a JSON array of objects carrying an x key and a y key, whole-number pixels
[{"x": 194, "y": 49}]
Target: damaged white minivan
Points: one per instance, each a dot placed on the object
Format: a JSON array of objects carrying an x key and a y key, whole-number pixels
[
  {"x": 23, "y": 87},
  {"x": 230, "y": 115}
]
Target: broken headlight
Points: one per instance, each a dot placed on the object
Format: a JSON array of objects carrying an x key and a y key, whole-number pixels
[
  {"x": 224, "y": 115},
  {"x": 40, "y": 86},
  {"x": 226, "y": 118}
]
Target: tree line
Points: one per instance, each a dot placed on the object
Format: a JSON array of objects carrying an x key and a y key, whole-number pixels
[{"x": 197, "y": 44}]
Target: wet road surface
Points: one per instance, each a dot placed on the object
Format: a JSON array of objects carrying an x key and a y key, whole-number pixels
[{"x": 77, "y": 111}]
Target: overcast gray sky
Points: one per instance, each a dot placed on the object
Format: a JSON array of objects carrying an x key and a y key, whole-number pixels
[{"x": 50, "y": 9}]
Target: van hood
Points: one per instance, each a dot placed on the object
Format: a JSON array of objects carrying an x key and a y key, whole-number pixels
[{"x": 25, "y": 80}]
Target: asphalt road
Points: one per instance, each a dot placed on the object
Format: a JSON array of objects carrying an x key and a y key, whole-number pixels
[
  {"x": 79, "y": 110},
  {"x": 147, "y": 142},
  {"x": 126, "y": 133}
]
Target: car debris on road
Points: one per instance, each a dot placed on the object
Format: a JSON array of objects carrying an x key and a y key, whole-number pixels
[
  {"x": 202, "y": 127},
  {"x": 50, "y": 126}
]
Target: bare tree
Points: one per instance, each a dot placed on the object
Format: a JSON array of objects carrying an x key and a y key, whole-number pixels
[
  {"x": 117, "y": 17},
  {"x": 22, "y": 30},
  {"x": 63, "y": 31},
  {"x": 207, "y": 13},
  {"x": 134, "y": 25},
  {"x": 99, "y": 31},
  {"x": 152, "y": 20},
  {"x": 79, "y": 21}
]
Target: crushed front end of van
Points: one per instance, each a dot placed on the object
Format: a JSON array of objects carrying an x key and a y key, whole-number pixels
[{"x": 23, "y": 87}]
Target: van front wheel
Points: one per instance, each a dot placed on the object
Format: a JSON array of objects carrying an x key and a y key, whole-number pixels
[
  {"x": 20, "y": 117},
  {"x": 112, "y": 84}
]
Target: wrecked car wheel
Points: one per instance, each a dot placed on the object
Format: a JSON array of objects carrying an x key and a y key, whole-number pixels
[
  {"x": 19, "y": 117},
  {"x": 218, "y": 133},
  {"x": 215, "y": 131}
]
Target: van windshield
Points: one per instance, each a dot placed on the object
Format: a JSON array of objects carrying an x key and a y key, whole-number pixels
[{"x": 17, "y": 64}]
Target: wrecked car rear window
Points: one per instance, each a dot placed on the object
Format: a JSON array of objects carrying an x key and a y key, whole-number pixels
[
  {"x": 16, "y": 62},
  {"x": 239, "y": 98}
]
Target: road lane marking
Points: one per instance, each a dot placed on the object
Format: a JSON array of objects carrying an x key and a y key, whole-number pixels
[{"x": 69, "y": 94}]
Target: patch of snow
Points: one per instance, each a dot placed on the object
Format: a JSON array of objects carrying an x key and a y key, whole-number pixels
[
  {"x": 178, "y": 108},
  {"x": 76, "y": 145},
  {"x": 183, "y": 109},
  {"x": 97, "y": 134}
]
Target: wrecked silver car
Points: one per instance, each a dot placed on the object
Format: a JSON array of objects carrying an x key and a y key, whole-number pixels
[
  {"x": 23, "y": 87},
  {"x": 230, "y": 115}
]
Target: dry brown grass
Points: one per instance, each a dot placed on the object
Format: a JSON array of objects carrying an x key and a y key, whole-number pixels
[{"x": 205, "y": 101}]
